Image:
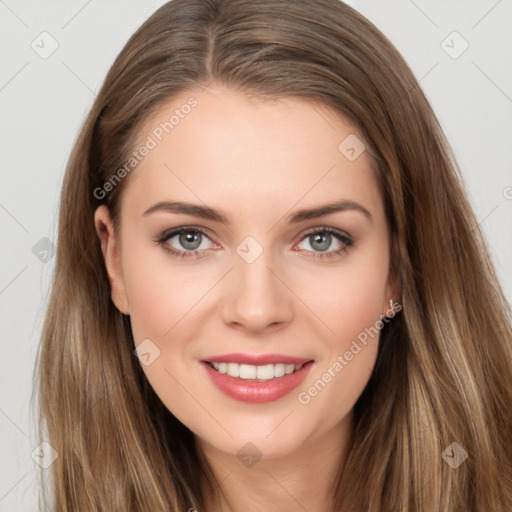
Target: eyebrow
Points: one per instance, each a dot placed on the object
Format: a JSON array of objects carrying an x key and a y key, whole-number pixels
[{"x": 205, "y": 212}]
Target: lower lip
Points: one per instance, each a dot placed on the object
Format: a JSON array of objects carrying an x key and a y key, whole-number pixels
[{"x": 254, "y": 391}]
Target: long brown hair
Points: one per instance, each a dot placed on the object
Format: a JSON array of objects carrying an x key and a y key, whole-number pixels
[{"x": 444, "y": 368}]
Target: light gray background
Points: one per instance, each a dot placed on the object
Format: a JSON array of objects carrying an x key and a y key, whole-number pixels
[{"x": 43, "y": 103}]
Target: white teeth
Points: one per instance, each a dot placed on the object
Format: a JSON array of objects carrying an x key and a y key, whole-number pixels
[
  {"x": 265, "y": 372},
  {"x": 279, "y": 370},
  {"x": 249, "y": 371},
  {"x": 233, "y": 370}
]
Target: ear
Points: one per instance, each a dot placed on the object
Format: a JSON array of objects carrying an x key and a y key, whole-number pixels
[
  {"x": 112, "y": 258},
  {"x": 392, "y": 293}
]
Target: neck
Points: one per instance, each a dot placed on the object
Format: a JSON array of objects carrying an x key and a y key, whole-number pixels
[{"x": 301, "y": 480}]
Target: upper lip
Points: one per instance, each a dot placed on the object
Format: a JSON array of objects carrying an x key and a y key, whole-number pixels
[{"x": 257, "y": 360}]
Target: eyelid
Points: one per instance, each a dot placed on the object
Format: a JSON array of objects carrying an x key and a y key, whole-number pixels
[
  {"x": 171, "y": 232},
  {"x": 341, "y": 235},
  {"x": 326, "y": 229}
]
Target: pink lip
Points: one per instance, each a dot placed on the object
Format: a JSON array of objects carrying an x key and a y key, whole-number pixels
[
  {"x": 257, "y": 391},
  {"x": 257, "y": 360}
]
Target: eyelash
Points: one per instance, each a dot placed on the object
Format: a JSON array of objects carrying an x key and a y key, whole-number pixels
[{"x": 345, "y": 239}]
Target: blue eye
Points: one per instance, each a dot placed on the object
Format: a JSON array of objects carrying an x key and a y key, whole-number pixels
[
  {"x": 320, "y": 239},
  {"x": 191, "y": 240}
]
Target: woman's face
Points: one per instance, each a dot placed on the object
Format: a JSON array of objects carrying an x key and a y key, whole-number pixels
[{"x": 254, "y": 274}]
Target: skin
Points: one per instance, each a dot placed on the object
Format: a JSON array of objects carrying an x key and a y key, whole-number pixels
[{"x": 258, "y": 161}]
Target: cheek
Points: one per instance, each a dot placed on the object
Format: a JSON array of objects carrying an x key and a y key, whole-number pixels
[
  {"x": 152, "y": 301},
  {"x": 349, "y": 299},
  {"x": 359, "y": 305},
  {"x": 159, "y": 293},
  {"x": 350, "y": 304},
  {"x": 161, "y": 299}
]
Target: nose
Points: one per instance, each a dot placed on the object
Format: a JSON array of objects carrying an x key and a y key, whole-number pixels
[{"x": 256, "y": 296}]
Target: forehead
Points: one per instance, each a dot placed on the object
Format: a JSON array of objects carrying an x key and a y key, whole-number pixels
[{"x": 221, "y": 147}]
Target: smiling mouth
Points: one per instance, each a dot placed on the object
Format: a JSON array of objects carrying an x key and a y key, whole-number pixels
[{"x": 256, "y": 372}]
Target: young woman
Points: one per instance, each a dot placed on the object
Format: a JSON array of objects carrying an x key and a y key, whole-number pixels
[{"x": 271, "y": 292}]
